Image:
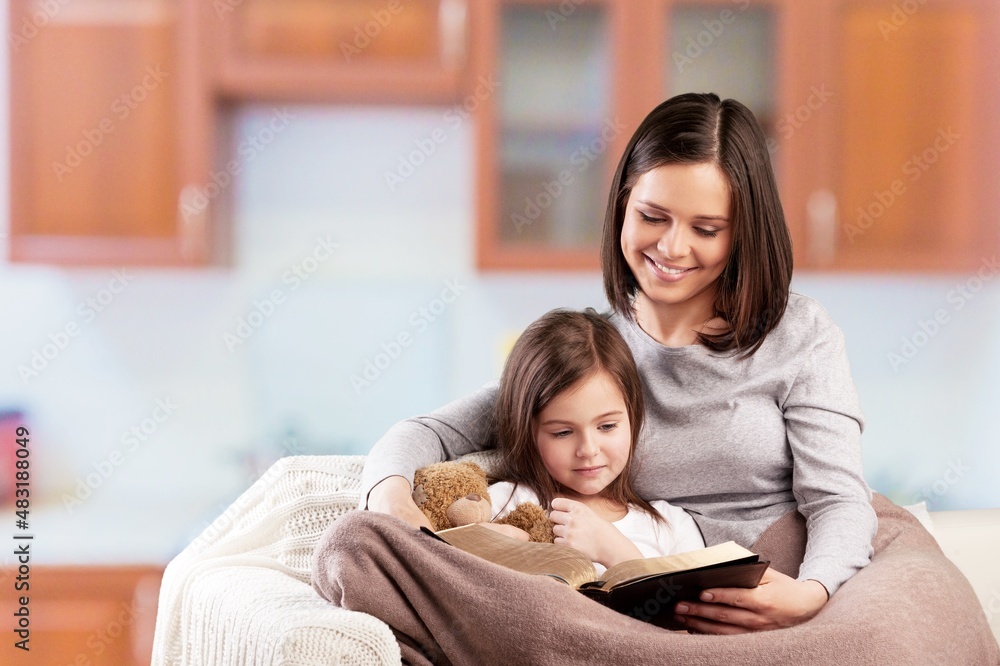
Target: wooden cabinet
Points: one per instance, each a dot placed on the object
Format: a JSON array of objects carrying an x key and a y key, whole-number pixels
[
  {"x": 879, "y": 117},
  {"x": 84, "y": 616},
  {"x": 340, "y": 50},
  {"x": 899, "y": 161},
  {"x": 114, "y": 108},
  {"x": 111, "y": 129},
  {"x": 879, "y": 114}
]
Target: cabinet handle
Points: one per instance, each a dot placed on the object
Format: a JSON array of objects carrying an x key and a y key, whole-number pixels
[
  {"x": 821, "y": 209},
  {"x": 452, "y": 17},
  {"x": 192, "y": 223}
]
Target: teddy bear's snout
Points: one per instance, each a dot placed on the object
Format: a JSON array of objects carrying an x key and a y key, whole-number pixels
[{"x": 473, "y": 497}]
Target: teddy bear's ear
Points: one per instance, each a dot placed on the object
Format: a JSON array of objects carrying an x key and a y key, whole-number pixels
[{"x": 418, "y": 495}]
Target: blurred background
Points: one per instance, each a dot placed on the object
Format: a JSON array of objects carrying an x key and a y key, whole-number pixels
[{"x": 242, "y": 229}]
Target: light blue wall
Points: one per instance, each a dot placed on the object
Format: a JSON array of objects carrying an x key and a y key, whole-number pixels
[{"x": 932, "y": 427}]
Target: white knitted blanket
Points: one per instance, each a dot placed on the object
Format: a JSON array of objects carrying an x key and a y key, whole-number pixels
[{"x": 240, "y": 593}]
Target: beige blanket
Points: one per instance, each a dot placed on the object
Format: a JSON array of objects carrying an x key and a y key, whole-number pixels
[{"x": 910, "y": 606}]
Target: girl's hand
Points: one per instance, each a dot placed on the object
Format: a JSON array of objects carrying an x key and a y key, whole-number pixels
[
  {"x": 779, "y": 601},
  {"x": 392, "y": 496},
  {"x": 577, "y": 526}
]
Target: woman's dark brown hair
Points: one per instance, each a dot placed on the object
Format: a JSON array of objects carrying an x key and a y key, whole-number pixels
[
  {"x": 695, "y": 129},
  {"x": 553, "y": 354}
]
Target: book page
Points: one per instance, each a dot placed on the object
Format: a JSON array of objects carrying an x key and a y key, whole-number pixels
[
  {"x": 564, "y": 562},
  {"x": 625, "y": 571}
]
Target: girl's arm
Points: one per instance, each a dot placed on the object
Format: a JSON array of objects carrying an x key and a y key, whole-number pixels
[{"x": 458, "y": 428}]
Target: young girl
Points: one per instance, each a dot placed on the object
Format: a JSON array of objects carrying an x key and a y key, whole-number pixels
[{"x": 568, "y": 412}]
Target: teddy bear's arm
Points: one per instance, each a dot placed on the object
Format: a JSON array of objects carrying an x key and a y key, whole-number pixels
[{"x": 532, "y": 519}]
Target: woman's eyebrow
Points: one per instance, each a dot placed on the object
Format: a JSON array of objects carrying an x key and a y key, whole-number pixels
[{"x": 717, "y": 218}]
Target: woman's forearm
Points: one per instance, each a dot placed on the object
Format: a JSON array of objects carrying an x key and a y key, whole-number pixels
[{"x": 457, "y": 428}]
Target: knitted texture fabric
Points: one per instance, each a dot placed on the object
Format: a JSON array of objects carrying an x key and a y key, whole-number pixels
[{"x": 240, "y": 593}]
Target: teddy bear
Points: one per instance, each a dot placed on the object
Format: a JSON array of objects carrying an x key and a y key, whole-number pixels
[{"x": 452, "y": 494}]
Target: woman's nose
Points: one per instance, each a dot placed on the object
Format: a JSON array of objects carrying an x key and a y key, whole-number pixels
[{"x": 672, "y": 244}]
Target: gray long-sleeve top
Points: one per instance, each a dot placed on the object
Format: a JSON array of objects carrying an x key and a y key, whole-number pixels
[{"x": 737, "y": 443}]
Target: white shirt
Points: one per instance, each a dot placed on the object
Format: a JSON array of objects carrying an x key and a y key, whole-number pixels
[{"x": 653, "y": 539}]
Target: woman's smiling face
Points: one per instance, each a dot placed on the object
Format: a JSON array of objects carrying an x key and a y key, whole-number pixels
[{"x": 677, "y": 232}]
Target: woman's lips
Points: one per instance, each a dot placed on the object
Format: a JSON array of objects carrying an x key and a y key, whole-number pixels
[{"x": 667, "y": 273}]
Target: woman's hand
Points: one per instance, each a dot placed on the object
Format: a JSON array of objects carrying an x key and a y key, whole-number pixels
[
  {"x": 392, "y": 495},
  {"x": 577, "y": 526},
  {"x": 779, "y": 601}
]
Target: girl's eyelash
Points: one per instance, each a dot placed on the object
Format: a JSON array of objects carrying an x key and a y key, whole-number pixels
[{"x": 647, "y": 218}]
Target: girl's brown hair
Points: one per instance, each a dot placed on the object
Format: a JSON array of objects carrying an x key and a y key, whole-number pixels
[
  {"x": 700, "y": 128},
  {"x": 553, "y": 354}
]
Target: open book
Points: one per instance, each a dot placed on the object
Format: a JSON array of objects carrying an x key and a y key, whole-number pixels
[{"x": 647, "y": 589}]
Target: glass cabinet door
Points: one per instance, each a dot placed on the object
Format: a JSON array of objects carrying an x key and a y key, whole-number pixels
[
  {"x": 726, "y": 50},
  {"x": 552, "y": 127}
]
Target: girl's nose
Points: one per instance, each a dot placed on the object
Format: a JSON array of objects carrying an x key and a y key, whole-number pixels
[{"x": 588, "y": 447}]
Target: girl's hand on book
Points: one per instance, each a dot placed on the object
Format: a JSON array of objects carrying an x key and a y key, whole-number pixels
[
  {"x": 779, "y": 601},
  {"x": 392, "y": 496},
  {"x": 577, "y": 526}
]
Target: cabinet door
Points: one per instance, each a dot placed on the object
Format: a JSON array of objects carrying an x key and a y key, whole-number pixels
[
  {"x": 83, "y": 616},
  {"x": 549, "y": 136},
  {"x": 725, "y": 48},
  {"x": 107, "y": 130},
  {"x": 340, "y": 50},
  {"x": 905, "y": 178}
]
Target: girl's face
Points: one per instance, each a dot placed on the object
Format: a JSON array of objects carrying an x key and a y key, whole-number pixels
[
  {"x": 677, "y": 232},
  {"x": 584, "y": 436}
]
